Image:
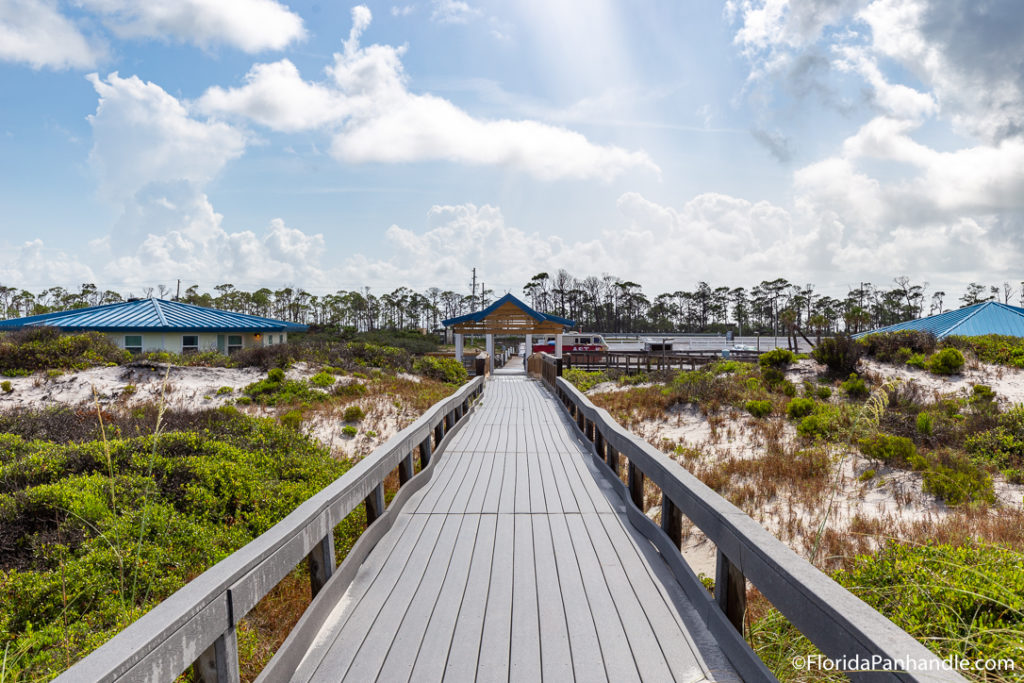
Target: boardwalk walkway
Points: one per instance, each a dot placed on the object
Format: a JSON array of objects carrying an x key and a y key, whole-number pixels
[{"x": 515, "y": 562}]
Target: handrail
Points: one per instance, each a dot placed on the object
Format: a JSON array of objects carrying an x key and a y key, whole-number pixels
[
  {"x": 839, "y": 623},
  {"x": 196, "y": 625}
]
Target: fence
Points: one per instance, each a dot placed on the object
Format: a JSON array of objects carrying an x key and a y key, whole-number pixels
[
  {"x": 833, "y": 619},
  {"x": 196, "y": 625},
  {"x": 638, "y": 361}
]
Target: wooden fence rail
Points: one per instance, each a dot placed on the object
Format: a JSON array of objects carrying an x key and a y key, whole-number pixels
[
  {"x": 642, "y": 361},
  {"x": 836, "y": 621},
  {"x": 196, "y": 625}
]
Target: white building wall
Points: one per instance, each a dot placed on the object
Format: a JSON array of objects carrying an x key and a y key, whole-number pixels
[{"x": 208, "y": 341}]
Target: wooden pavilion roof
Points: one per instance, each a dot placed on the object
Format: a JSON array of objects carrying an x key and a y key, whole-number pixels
[{"x": 508, "y": 315}]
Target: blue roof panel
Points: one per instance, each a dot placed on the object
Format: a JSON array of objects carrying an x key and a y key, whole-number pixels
[
  {"x": 989, "y": 317},
  {"x": 477, "y": 316},
  {"x": 155, "y": 315}
]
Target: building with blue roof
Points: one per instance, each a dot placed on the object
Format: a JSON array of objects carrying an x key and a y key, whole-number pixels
[
  {"x": 159, "y": 325},
  {"x": 988, "y": 317}
]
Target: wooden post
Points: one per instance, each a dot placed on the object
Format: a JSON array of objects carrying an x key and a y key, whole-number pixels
[
  {"x": 612, "y": 459},
  {"x": 599, "y": 443},
  {"x": 671, "y": 520},
  {"x": 374, "y": 504},
  {"x": 730, "y": 590},
  {"x": 425, "y": 453},
  {"x": 219, "y": 663},
  {"x": 321, "y": 562},
  {"x": 636, "y": 485},
  {"x": 405, "y": 469},
  {"x": 438, "y": 433}
]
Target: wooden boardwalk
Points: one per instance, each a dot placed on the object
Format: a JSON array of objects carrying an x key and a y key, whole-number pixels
[{"x": 514, "y": 562}]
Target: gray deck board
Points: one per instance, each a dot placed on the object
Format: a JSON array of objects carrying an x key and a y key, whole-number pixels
[{"x": 514, "y": 562}]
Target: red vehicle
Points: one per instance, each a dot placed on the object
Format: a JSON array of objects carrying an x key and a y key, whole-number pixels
[{"x": 572, "y": 342}]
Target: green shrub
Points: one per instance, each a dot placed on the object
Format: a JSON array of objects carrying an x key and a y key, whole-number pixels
[
  {"x": 350, "y": 390},
  {"x": 447, "y": 370},
  {"x": 349, "y": 430},
  {"x": 1003, "y": 446},
  {"x": 225, "y": 390},
  {"x": 275, "y": 375},
  {"x": 292, "y": 419},
  {"x": 779, "y": 359},
  {"x": 991, "y": 348},
  {"x": 800, "y": 407},
  {"x": 15, "y": 372},
  {"x": 322, "y": 379},
  {"x": 128, "y": 390},
  {"x": 6, "y": 386},
  {"x": 823, "y": 392},
  {"x": 636, "y": 378},
  {"x": 866, "y": 475},
  {"x": 840, "y": 354},
  {"x": 824, "y": 423},
  {"x": 275, "y": 390},
  {"x": 243, "y": 401},
  {"x": 948, "y": 361},
  {"x": 888, "y": 346},
  {"x": 370, "y": 433},
  {"x": 958, "y": 600},
  {"x": 354, "y": 414},
  {"x": 759, "y": 408},
  {"x": 584, "y": 380},
  {"x": 45, "y": 348},
  {"x": 892, "y": 450},
  {"x": 855, "y": 387},
  {"x": 918, "y": 360},
  {"x": 772, "y": 376},
  {"x": 787, "y": 388},
  {"x": 925, "y": 423},
  {"x": 958, "y": 481},
  {"x": 54, "y": 373}
]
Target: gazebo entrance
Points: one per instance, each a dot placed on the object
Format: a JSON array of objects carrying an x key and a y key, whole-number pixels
[{"x": 507, "y": 315}]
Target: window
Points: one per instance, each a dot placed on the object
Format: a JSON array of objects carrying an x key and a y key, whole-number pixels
[
  {"x": 234, "y": 343},
  {"x": 133, "y": 343},
  {"x": 583, "y": 340},
  {"x": 189, "y": 343}
]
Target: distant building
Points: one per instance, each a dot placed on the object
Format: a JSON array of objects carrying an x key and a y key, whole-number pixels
[
  {"x": 989, "y": 317},
  {"x": 157, "y": 325}
]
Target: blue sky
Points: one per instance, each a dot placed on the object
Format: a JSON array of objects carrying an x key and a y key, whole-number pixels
[{"x": 330, "y": 145}]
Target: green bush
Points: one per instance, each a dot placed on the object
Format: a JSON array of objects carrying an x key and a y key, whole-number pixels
[
  {"x": 759, "y": 408},
  {"x": 225, "y": 390},
  {"x": 800, "y": 407},
  {"x": 958, "y": 600},
  {"x": 349, "y": 430},
  {"x": 275, "y": 390},
  {"x": 991, "y": 348},
  {"x": 1003, "y": 446},
  {"x": 925, "y": 423},
  {"x": 45, "y": 348},
  {"x": 7, "y": 386},
  {"x": 354, "y": 414},
  {"x": 888, "y": 346},
  {"x": 779, "y": 359},
  {"x": 275, "y": 375},
  {"x": 350, "y": 390},
  {"x": 959, "y": 481},
  {"x": 787, "y": 388},
  {"x": 948, "y": 361},
  {"x": 582, "y": 379},
  {"x": 855, "y": 387},
  {"x": 322, "y": 379},
  {"x": 823, "y": 392},
  {"x": 447, "y": 370},
  {"x": 825, "y": 423},
  {"x": 292, "y": 419},
  {"x": 892, "y": 450},
  {"x": 866, "y": 475},
  {"x": 918, "y": 360},
  {"x": 840, "y": 354},
  {"x": 85, "y": 554}
]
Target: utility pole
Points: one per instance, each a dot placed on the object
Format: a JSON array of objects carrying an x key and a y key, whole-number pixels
[
  {"x": 177, "y": 294},
  {"x": 473, "y": 296},
  {"x": 483, "y": 294}
]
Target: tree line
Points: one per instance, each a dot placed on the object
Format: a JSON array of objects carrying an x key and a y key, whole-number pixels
[{"x": 606, "y": 304}]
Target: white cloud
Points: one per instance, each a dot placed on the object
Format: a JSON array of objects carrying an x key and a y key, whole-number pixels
[
  {"x": 453, "y": 12},
  {"x": 142, "y": 134},
  {"x": 402, "y": 10},
  {"x": 276, "y": 96},
  {"x": 250, "y": 25},
  {"x": 36, "y": 33},
  {"x": 374, "y": 117},
  {"x": 32, "y": 264}
]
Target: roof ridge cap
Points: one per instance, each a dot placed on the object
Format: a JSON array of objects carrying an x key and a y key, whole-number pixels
[
  {"x": 159, "y": 312},
  {"x": 978, "y": 306}
]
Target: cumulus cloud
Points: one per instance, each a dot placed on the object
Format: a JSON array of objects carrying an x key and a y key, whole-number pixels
[
  {"x": 142, "y": 134},
  {"x": 453, "y": 12},
  {"x": 250, "y": 25},
  {"x": 33, "y": 264},
  {"x": 34, "y": 32},
  {"x": 372, "y": 116}
]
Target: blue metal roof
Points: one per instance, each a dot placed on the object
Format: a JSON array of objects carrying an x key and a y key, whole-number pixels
[
  {"x": 152, "y": 315},
  {"x": 989, "y": 317},
  {"x": 477, "y": 316}
]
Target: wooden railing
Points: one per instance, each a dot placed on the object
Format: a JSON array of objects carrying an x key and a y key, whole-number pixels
[
  {"x": 637, "y": 361},
  {"x": 196, "y": 625},
  {"x": 836, "y": 621}
]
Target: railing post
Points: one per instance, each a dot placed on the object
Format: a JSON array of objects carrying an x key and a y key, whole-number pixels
[
  {"x": 425, "y": 453},
  {"x": 730, "y": 590},
  {"x": 219, "y": 664},
  {"x": 438, "y": 433},
  {"x": 599, "y": 443},
  {"x": 405, "y": 469},
  {"x": 671, "y": 520},
  {"x": 374, "y": 504},
  {"x": 636, "y": 485},
  {"x": 612, "y": 458},
  {"x": 321, "y": 562}
]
